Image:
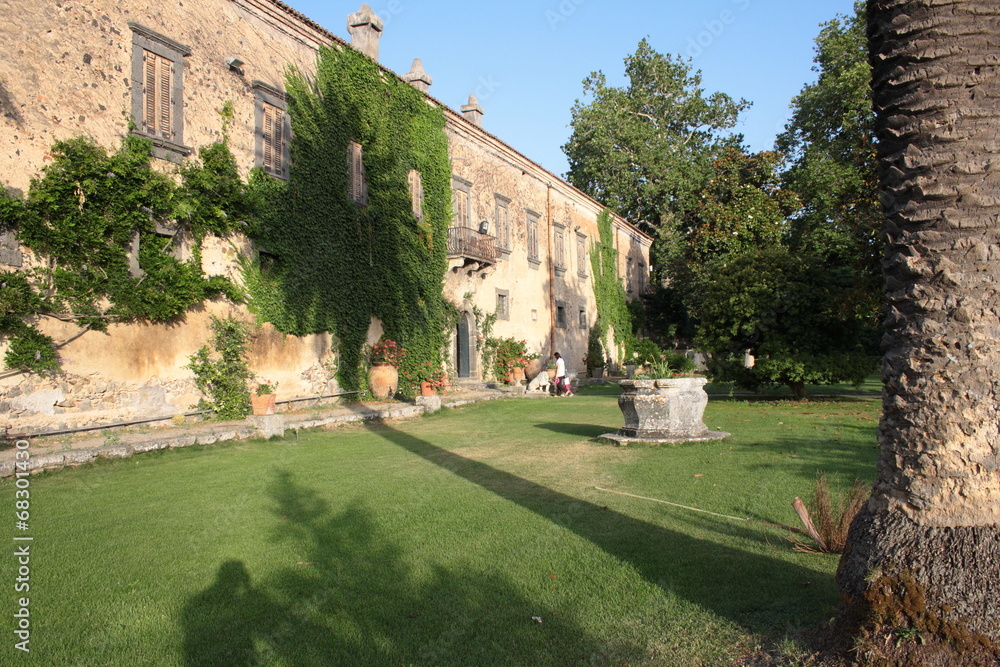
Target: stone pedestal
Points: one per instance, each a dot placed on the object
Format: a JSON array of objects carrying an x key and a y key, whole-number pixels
[
  {"x": 430, "y": 404},
  {"x": 267, "y": 426},
  {"x": 664, "y": 410}
]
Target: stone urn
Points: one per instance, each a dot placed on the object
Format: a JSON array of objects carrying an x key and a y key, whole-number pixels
[
  {"x": 383, "y": 380},
  {"x": 664, "y": 410},
  {"x": 533, "y": 368},
  {"x": 597, "y": 372}
]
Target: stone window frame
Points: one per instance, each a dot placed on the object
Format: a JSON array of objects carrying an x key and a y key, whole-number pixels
[
  {"x": 628, "y": 274},
  {"x": 461, "y": 188},
  {"x": 10, "y": 249},
  {"x": 583, "y": 316},
  {"x": 415, "y": 184},
  {"x": 582, "y": 259},
  {"x": 265, "y": 94},
  {"x": 561, "y": 315},
  {"x": 642, "y": 276},
  {"x": 503, "y": 304},
  {"x": 559, "y": 248},
  {"x": 531, "y": 224},
  {"x": 357, "y": 180},
  {"x": 502, "y": 223},
  {"x": 145, "y": 40}
]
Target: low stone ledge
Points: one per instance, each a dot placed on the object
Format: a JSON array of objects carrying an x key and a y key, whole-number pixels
[
  {"x": 6, "y": 468},
  {"x": 150, "y": 446},
  {"x": 46, "y": 462},
  {"x": 267, "y": 426},
  {"x": 429, "y": 404},
  {"x": 116, "y": 451},
  {"x": 75, "y": 457},
  {"x": 205, "y": 440}
]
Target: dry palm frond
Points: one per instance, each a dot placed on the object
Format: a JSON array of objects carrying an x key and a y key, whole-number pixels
[{"x": 828, "y": 521}]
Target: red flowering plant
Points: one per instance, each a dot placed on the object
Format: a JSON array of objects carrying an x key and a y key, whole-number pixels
[
  {"x": 510, "y": 354},
  {"x": 262, "y": 386},
  {"x": 387, "y": 351},
  {"x": 426, "y": 372}
]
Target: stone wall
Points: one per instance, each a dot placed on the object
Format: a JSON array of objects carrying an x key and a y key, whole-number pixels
[{"x": 67, "y": 71}]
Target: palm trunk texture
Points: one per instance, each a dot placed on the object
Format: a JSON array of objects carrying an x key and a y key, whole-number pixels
[{"x": 924, "y": 553}]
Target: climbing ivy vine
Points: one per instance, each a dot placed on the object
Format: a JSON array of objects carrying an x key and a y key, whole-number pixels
[
  {"x": 83, "y": 218},
  {"x": 329, "y": 264},
  {"x": 612, "y": 307}
]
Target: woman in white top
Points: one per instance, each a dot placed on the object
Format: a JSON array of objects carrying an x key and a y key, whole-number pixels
[{"x": 561, "y": 385}]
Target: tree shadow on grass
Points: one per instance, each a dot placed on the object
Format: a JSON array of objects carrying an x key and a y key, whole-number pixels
[
  {"x": 353, "y": 599},
  {"x": 589, "y": 431},
  {"x": 762, "y": 594}
]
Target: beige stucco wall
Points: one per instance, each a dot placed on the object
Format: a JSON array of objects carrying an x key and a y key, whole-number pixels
[
  {"x": 535, "y": 289},
  {"x": 67, "y": 70}
]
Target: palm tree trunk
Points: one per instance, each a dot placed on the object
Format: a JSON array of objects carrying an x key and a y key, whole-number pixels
[{"x": 925, "y": 551}]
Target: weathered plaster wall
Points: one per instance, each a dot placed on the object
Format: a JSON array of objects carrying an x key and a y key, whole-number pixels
[
  {"x": 66, "y": 70},
  {"x": 535, "y": 289}
]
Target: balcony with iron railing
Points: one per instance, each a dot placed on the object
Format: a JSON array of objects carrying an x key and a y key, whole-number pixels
[{"x": 473, "y": 245}]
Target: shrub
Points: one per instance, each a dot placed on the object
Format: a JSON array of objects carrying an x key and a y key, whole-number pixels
[{"x": 222, "y": 372}]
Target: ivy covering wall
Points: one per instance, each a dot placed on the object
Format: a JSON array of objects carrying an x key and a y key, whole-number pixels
[
  {"x": 82, "y": 220},
  {"x": 329, "y": 264},
  {"x": 613, "y": 312}
]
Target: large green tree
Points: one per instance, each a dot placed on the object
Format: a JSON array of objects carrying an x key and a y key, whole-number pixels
[
  {"x": 646, "y": 148},
  {"x": 829, "y": 144},
  {"x": 748, "y": 291}
]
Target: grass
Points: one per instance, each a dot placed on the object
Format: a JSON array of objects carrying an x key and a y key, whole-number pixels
[{"x": 474, "y": 536}]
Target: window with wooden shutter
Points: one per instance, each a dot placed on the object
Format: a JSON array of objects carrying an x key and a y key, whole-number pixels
[
  {"x": 416, "y": 183},
  {"x": 156, "y": 92},
  {"x": 273, "y": 139},
  {"x": 271, "y": 130},
  {"x": 356, "y": 169}
]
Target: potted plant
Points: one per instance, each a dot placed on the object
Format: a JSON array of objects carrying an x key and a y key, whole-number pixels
[
  {"x": 511, "y": 356},
  {"x": 430, "y": 379},
  {"x": 594, "y": 364},
  {"x": 263, "y": 393},
  {"x": 383, "y": 376},
  {"x": 550, "y": 368},
  {"x": 594, "y": 361}
]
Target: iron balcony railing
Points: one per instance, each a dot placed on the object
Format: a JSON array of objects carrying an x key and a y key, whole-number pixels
[{"x": 470, "y": 243}]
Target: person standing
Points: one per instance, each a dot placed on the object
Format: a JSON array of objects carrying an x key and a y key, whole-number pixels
[{"x": 562, "y": 386}]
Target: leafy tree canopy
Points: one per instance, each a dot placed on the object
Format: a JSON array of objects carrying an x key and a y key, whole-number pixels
[
  {"x": 645, "y": 149},
  {"x": 789, "y": 313},
  {"x": 830, "y": 145}
]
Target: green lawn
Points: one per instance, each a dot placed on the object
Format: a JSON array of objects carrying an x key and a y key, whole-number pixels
[{"x": 436, "y": 542}]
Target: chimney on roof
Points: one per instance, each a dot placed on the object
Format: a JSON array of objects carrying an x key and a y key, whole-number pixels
[
  {"x": 365, "y": 27},
  {"x": 473, "y": 112},
  {"x": 417, "y": 77}
]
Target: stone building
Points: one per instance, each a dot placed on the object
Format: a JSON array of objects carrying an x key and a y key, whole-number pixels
[{"x": 518, "y": 244}]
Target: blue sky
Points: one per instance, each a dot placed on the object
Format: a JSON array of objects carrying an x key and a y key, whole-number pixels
[{"x": 526, "y": 59}]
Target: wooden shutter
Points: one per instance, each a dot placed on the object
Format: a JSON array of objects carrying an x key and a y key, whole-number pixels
[
  {"x": 158, "y": 74},
  {"x": 272, "y": 143},
  {"x": 278, "y": 147}
]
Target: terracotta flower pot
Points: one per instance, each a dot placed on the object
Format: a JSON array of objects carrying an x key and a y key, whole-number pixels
[
  {"x": 263, "y": 404},
  {"x": 517, "y": 373},
  {"x": 426, "y": 389},
  {"x": 383, "y": 380}
]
